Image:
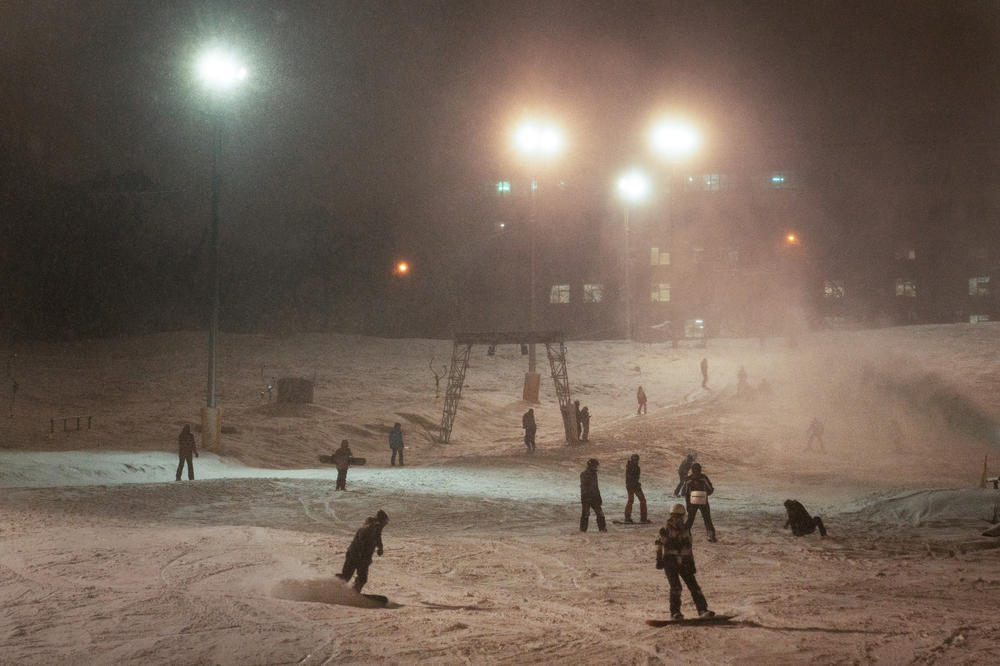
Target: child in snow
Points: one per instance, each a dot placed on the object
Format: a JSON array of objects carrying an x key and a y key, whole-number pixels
[{"x": 675, "y": 557}]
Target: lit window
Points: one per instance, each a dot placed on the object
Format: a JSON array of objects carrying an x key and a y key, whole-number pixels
[
  {"x": 907, "y": 288},
  {"x": 906, "y": 254},
  {"x": 657, "y": 258},
  {"x": 833, "y": 289},
  {"x": 709, "y": 182},
  {"x": 975, "y": 319},
  {"x": 593, "y": 293},
  {"x": 661, "y": 292},
  {"x": 779, "y": 180},
  {"x": 979, "y": 286},
  {"x": 694, "y": 328},
  {"x": 503, "y": 187},
  {"x": 559, "y": 293}
]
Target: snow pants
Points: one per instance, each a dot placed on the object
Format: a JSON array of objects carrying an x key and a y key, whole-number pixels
[
  {"x": 602, "y": 524},
  {"x": 706, "y": 513},
  {"x": 632, "y": 494},
  {"x": 189, "y": 458},
  {"x": 341, "y": 478},
  {"x": 675, "y": 575},
  {"x": 801, "y": 529},
  {"x": 353, "y": 564},
  {"x": 400, "y": 452},
  {"x": 529, "y": 438}
]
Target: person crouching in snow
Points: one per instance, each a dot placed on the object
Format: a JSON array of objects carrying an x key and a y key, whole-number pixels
[
  {"x": 675, "y": 557},
  {"x": 634, "y": 489},
  {"x": 800, "y": 521},
  {"x": 590, "y": 497},
  {"x": 367, "y": 539}
]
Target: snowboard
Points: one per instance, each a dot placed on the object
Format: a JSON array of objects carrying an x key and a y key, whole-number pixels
[
  {"x": 353, "y": 461},
  {"x": 634, "y": 523},
  {"x": 715, "y": 619},
  {"x": 377, "y": 598}
]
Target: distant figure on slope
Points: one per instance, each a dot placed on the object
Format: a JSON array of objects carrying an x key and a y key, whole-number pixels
[
  {"x": 185, "y": 449},
  {"x": 696, "y": 490},
  {"x": 704, "y": 373},
  {"x": 640, "y": 397},
  {"x": 590, "y": 497},
  {"x": 815, "y": 432},
  {"x": 584, "y": 422},
  {"x": 634, "y": 489},
  {"x": 682, "y": 472},
  {"x": 675, "y": 556},
  {"x": 367, "y": 539},
  {"x": 800, "y": 521},
  {"x": 396, "y": 444},
  {"x": 579, "y": 420},
  {"x": 342, "y": 459},
  {"x": 742, "y": 385},
  {"x": 528, "y": 423}
]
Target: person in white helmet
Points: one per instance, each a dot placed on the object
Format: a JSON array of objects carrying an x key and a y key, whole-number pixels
[{"x": 675, "y": 557}]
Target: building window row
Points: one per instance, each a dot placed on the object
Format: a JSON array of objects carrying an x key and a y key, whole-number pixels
[
  {"x": 592, "y": 293},
  {"x": 658, "y": 258}
]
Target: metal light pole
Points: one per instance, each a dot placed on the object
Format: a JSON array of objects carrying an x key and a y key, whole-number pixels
[
  {"x": 213, "y": 328},
  {"x": 633, "y": 187}
]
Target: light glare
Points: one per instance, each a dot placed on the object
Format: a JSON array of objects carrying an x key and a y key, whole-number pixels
[
  {"x": 220, "y": 71},
  {"x": 674, "y": 139},
  {"x": 536, "y": 139},
  {"x": 634, "y": 186}
]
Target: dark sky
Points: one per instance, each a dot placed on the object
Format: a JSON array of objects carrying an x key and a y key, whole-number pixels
[{"x": 398, "y": 111}]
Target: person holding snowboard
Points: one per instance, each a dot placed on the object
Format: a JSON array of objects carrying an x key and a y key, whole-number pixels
[
  {"x": 699, "y": 483},
  {"x": 396, "y": 444},
  {"x": 682, "y": 472},
  {"x": 675, "y": 556},
  {"x": 186, "y": 449},
  {"x": 528, "y": 423},
  {"x": 367, "y": 539},
  {"x": 342, "y": 459},
  {"x": 634, "y": 489},
  {"x": 800, "y": 521},
  {"x": 590, "y": 497}
]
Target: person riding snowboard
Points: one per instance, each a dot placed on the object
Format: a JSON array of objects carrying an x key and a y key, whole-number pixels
[
  {"x": 800, "y": 521},
  {"x": 590, "y": 497},
  {"x": 634, "y": 489},
  {"x": 367, "y": 539},
  {"x": 699, "y": 483},
  {"x": 675, "y": 556}
]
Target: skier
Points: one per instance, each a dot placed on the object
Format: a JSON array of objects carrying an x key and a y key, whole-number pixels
[
  {"x": 634, "y": 489},
  {"x": 396, "y": 444},
  {"x": 528, "y": 423},
  {"x": 590, "y": 497},
  {"x": 699, "y": 483},
  {"x": 342, "y": 459},
  {"x": 585, "y": 423},
  {"x": 800, "y": 521},
  {"x": 704, "y": 373},
  {"x": 682, "y": 472},
  {"x": 675, "y": 557},
  {"x": 185, "y": 449},
  {"x": 367, "y": 539},
  {"x": 815, "y": 432},
  {"x": 640, "y": 396}
]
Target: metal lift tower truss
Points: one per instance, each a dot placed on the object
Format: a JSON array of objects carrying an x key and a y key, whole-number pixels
[{"x": 555, "y": 349}]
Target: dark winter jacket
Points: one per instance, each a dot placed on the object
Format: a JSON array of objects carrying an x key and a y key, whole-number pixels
[
  {"x": 528, "y": 421},
  {"x": 685, "y": 467},
  {"x": 585, "y": 416},
  {"x": 699, "y": 482},
  {"x": 395, "y": 439},
  {"x": 798, "y": 518},
  {"x": 342, "y": 457},
  {"x": 589, "y": 492},
  {"x": 185, "y": 442},
  {"x": 674, "y": 552},
  {"x": 366, "y": 541},
  {"x": 632, "y": 475}
]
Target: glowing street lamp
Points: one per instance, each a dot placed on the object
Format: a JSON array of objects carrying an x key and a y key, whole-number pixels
[
  {"x": 219, "y": 73},
  {"x": 535, "y": 140},
  {"x": 633, "y": 187},
  {"x": 401, "y": 269},
  {"x": 675, "y": 139}
]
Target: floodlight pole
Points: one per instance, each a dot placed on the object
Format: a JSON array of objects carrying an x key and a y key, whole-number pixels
[
  {"x": 628, "y": 279},
  {"x": 213, "y": 328},
  {"x": 532, "y": 321}
]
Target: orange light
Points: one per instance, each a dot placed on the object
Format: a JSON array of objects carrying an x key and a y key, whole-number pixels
[
  {"x": 792, "y": 238},
  {"x": 402, "y": 268}
]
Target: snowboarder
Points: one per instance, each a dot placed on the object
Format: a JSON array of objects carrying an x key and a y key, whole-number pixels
[
  {"x": 528, "y": 423},
  {"x": 584, "y": 422},
  {"x": 640, "y": 396},
  {"x": 590, "y": 497},
  {"x": 800, "y": 521},
  {"x": 704, "y": 373},
  {"x": 696, "y": 490},
  {"x": 634, "y": 489},
  {"x": 342, "y": 459},
  {"x": 396, "y": 443},
  {"x": 815, "y": 432},
  {"x": 682, "y": 472},
  {"x": 675, "y": 557},
  {"x": 367, "y": 539},
  {"x": 185, "y": 449}
]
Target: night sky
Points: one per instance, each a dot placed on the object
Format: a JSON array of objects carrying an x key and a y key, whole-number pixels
[{"x": 384, "y": 121}]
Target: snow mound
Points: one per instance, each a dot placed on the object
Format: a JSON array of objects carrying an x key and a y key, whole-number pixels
[{"x": 936, "y": 508}]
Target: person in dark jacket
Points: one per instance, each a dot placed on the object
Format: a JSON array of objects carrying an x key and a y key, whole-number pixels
[
  {"x": 367, "y": 539},
  {"x": 185, "y": 449},
  {"x": 528, "y": 423},
  {"x": 682, "y": 472},
  {"x": 634, "y": 489},
  {"x": 585, "y": 423},
  {"x": 800, "y": 521},
  {"x": 396, "y": 443},
  {"x": 342, "y": 459},
  {"x": 590, "y": 497},
  {"x": 579, "y": 420},
  {"x": 697, "y": 481},
  {"x": 675, "y": 557}
]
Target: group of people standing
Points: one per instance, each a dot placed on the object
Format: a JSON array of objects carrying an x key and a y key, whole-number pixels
[{"x": 531, "y": 427}]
